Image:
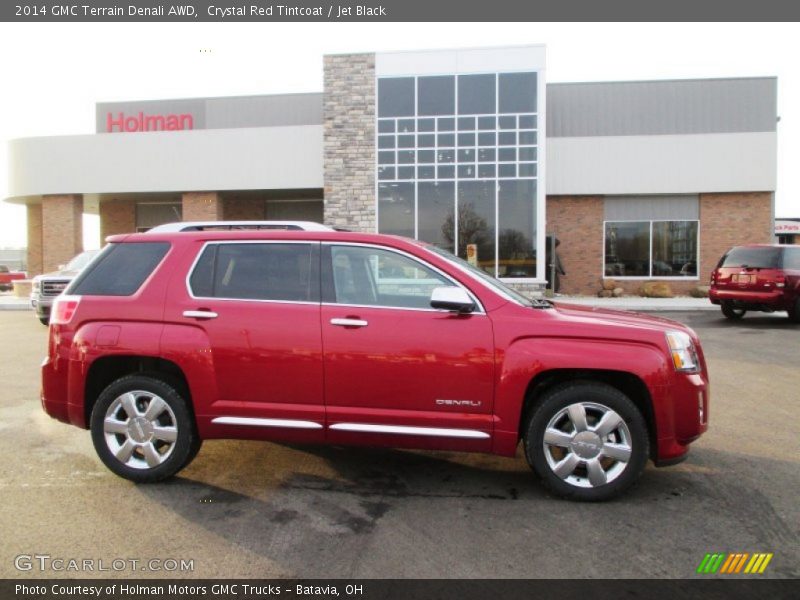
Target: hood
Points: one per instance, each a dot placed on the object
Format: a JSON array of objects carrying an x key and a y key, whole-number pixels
[
  {"x": 58, "y": 275},
  {"x": 622, "y": 318}
]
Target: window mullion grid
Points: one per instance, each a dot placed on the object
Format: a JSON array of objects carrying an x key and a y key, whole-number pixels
[
  {"x": 415, "y": 163},
  {"x": 497, "y": 177},
  {"x": 455, "y": 168}
]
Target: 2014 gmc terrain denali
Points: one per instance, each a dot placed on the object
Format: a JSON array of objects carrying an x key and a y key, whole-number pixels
[{"x": 169, "y": 338}]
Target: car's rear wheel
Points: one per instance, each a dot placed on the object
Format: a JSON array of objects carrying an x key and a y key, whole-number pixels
[
  {"x": 44, "y": 321},
  {"x": 794, "y": 312},
  {"x": 142, "y": 429},
  {"x": 586, "y": 441},
  {"x": 730, "y": 310}
]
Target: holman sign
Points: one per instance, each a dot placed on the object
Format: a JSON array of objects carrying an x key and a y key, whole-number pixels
[{"x": 151, "y": 115}]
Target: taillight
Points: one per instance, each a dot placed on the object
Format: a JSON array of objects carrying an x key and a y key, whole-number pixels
[
  {"x": 713, "y": 277},
  {"x": 64, "y": 308},
  {"x": 780, "y": 281}
]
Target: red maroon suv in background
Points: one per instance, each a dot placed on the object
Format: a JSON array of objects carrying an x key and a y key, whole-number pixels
[
  {"x": 168, "y": 339},
  {"x": 758, "y": 277}
]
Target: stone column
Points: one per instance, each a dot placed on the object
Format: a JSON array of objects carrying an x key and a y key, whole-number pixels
[
  {"x": 34, "y": 260},
  {"x": 349, "y": 145},
  {"x": 62, "y": 229},
  {"x": 116, "y": 216},
  {"x": 202, "y": 206}
]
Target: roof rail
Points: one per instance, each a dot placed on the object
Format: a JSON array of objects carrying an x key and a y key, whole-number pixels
[{"x": 234, "y": 225}]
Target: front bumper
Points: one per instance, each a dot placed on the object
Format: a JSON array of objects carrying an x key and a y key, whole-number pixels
[
  {"x": 42, "y": 305},
  {"x": 689, "y": 398}
]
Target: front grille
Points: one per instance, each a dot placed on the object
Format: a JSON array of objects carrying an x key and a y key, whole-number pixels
[{"x": 54, "y": 287}]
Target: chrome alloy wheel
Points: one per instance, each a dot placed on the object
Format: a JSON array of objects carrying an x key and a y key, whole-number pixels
[
  {"x": 587, "y": 444},
  {"x": 140, "y": 429}
]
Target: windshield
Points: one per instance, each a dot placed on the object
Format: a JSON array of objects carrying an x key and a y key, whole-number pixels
[
  {"x": 497, "y": 285},
  {"x": 80, "y": 261},
  {"x": 757, "y": 258}
]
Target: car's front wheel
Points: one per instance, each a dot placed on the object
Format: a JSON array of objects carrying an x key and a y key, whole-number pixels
[
  {"x": 142, "y": 429},
  {"x": 730, "y": 310},
  {"x": 586, "y": 441}
]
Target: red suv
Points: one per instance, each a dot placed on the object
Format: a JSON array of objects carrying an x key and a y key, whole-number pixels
[
  {"x": 167, "y": 339},
  {"x": 758, "y": 277}
]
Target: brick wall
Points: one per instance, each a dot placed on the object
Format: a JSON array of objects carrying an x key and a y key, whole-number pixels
[
  {"x": 731, "y": 220},
  {"x": 116, "y": 216},
  {"x": 577, "y": 222},
  {"x": 349, "y": 146},
  {"x": 34, "y": 259},
  {"x": 202, "y": 206},
  {"x": 726, "y": 220},
  {"x": 62, "y": 229},
  {"x": 243, "y": 209}
]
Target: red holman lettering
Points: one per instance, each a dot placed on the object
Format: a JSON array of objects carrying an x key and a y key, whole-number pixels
[{"x": 142, "y": 122}]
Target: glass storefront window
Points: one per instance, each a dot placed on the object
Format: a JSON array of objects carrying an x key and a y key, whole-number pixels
[
  {"x": 454, "y": 171},
  {"x": 476, "y": 94},
  {"x": 396, "y": 97},
  {"x": 436, "y": 204},
  {"x": 517, "y": 92},
  {"x": 516, "y": 238},
  {"x": 396, "y": 208},
  {"x": 651, "y": 249},
  {"x": 436, "y": 95},
  {"x": 476, "y": 200},
  {"x": 675, "y": 249}
]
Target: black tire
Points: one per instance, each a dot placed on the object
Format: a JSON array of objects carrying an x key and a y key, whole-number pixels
[
  {"x": 794, "y": 312},
  {"x": 576, "y": 484},
  {"x": 44, "y": 321},
  {"x": 731, "y": 312},
  {"x": 172, "y": 456}
]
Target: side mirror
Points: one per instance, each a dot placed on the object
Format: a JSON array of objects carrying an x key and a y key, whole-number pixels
[{"x": 452, "y": 298}]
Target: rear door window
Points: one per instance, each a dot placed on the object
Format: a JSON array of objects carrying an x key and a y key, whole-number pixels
[
  {"x": 258, "y": 271},
  {"x": 120, "y": 270}
]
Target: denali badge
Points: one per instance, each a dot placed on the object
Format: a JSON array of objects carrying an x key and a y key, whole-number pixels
[{"x": 470, "y": 403}]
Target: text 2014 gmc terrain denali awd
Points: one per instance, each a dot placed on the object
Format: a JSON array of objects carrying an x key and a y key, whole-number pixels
[{"x": 170, "y": 338}]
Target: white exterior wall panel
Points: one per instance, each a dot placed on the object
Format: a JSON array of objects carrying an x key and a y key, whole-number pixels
[
  {"x": 216, "y": 159},
  {"x": 662, "y": 164}
]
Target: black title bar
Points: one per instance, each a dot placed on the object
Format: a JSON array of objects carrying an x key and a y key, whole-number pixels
[
  {"x": 104, "y": 11},
  {"x": 394, "y": 589}
]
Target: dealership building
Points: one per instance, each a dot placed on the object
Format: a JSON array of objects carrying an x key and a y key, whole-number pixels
[{"x": 467, "y": 149}]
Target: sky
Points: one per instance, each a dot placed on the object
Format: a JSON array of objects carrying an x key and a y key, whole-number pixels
[{"x": 53, "y": 74}]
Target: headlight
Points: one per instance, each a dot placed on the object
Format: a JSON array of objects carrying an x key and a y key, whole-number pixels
[
  {"x": 36, "y": 285},
  {"x": 684, "y": 354}
]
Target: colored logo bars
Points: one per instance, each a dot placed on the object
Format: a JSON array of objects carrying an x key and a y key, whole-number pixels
[{"x": 734, "y": 563}]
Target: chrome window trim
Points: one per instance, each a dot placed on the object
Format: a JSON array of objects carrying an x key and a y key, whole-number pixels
[
  {"x": 193, "y": 266},
  {"x": 479, "y": 306},
  {"x": 410, "y": 430},
  {"x": 260, "y": 422}
]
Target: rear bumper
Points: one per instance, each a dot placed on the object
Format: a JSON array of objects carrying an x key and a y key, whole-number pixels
[
  {"x": 774, "y": 299},
  {"x": 56, "y": 392}
]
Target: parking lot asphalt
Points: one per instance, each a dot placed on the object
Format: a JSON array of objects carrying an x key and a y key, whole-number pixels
[{"x": 254, "y": 509}]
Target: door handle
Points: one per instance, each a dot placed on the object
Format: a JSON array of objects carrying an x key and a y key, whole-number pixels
[
  {"x": 200, "y": 314},
  {"x": 349, "y": 322}
]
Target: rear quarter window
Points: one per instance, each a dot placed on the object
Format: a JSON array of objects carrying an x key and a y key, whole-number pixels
[
  {"x": 120, "y": 270},
  {"x": 791, "y": 259}
]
